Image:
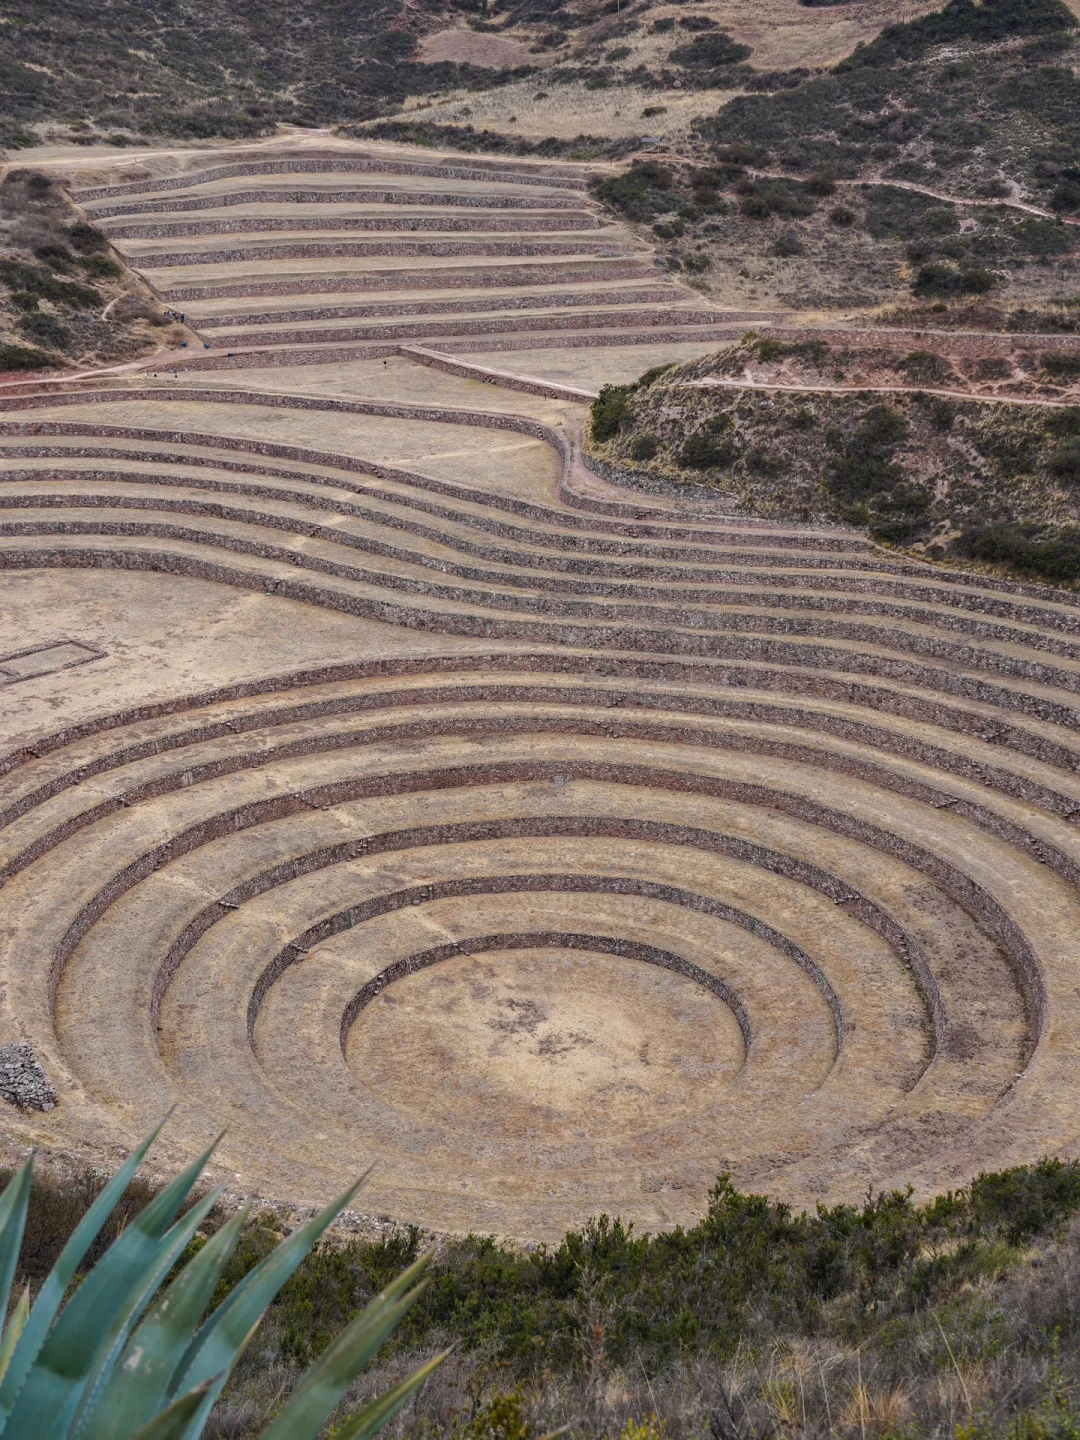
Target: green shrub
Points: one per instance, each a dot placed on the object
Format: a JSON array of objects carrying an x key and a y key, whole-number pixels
[
  {"x": 1066, "y": 197},
  {"x": 923, "y": 367},
  {"x": 977, "y": 281},
  {"x": 392, "y": 46},
  {"x": 899, "y": 516},
  {"x": 767, "y": 349},
  {"x": 939, "y": 278},
  {"x": 712, "y": 49},
  {"x": 821, "y": 184},
  {"x": 650, "y": 376},
  {"x": 1033, "y": 550},
  {"x": 1043, "y": 237},
  {"x": 640, "y": 192},
  {"x": 1064, "y": 461},
  {"x": 788, "y": 245},
  {"x": 1062, "y": 365},
  {"x": 865, "y": 466},
  {"x": 709, "y": 448},
  {"x": 86, "y": 239},
  {"x": 608, "y": 411},
  {"x": 644, "y": 447},
  {"x": 1064, "y": 421},
  {"x": 893, "y": 213},
  {"x": 45, "y": 329},
  {"x": 102, "y": 267},
  {"x": 23, "y": 357},
  {"x": 36, "y": 280},
  {"x": 1028, "y": 1200},
  {"x": 56, "y": 257}
]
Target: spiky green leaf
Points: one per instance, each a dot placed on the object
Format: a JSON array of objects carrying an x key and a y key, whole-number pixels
[
  {"x": 373, "y": 1417},
  {"x": 15, "y": 1326},
  {"x": 328, "y": 1379},
  {"x": 13, "y": 1205},
  {"x": 175, "y": 1422},
  {"x": 60, "y": 1277},
  {"x": 213, "y": 1389},
  {"x": 173, "y": 1245},
  {"x": 215, "y": 1347},
  {"x": 138, "y": 1385},
  {"x": 94, "y": 1324}
]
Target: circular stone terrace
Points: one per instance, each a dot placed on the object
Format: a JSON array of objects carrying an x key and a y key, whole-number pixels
[{"x": 384, "y": 787}]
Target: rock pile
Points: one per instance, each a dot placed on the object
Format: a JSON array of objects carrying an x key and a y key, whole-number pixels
[{"x": 22, "y": 1080}]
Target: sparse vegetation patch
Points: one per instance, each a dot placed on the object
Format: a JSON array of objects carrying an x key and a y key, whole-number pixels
[{"x": 917, "y": 469}]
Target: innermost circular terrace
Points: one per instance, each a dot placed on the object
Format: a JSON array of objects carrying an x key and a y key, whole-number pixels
[{"x": 529, "y": 1041}]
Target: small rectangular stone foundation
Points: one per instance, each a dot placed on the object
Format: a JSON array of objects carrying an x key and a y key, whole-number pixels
[{"x": 44, "y": 659}]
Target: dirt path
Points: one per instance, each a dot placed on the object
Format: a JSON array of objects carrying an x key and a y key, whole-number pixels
[{"x": 713, "y": 384}]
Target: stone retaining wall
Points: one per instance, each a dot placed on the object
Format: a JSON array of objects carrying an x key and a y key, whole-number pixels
[
  {"x": 282, "y": 196},
  {"x": 480, "y": 418},
  {"x": 293, "y": 952},
  {"x": 537, "y": 220},
  {"x": 496, "y": 325},
  {"x": 971, "y": 896},
  {"x": 547, "y": 939},
  {"x": 256, "y": 358},
  {"x": 549, "y": 301},
  {"x": 449, "y": 279},
  {"x": 502, "y": 378},
  {"x": 358, "y": 165},
  {"x": 696, "y": 630},
  {"x": 358, "y": 249},
  {"x": 654, "y": 484},
  {"x": 944, "y": 342}
]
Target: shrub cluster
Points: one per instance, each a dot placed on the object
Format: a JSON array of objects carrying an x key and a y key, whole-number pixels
[
  {"x": 611, "y": 410},
  {"x": 1043, "y": 552},
  {"x": 25, "y": 357},
  {"x": 750, "y": 1268}
]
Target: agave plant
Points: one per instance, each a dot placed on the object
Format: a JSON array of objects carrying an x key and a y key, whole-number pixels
[{"x": 125, "y": 1359}]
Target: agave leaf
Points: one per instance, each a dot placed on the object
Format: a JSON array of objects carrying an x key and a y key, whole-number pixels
[
  {"x": 215, "y": 1347},
  {"x": 137, "y": 1387},
  {"x": 61, "y": 1276},
  {"x": 175, "y": 1422},
  {"x": 93, "y": 1325},
  {"x": 328, "y": 1379},
  {"x": 373, "y": 1417},
  {"x": 213, "y": 1389},
  {"x": 13, "y": 1205},
  {"x": 173, "y": 1245},
  {"x": 15, "y": 1327}
]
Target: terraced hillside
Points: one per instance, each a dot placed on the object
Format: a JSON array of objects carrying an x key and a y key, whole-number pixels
[
  {"x": 368, "y": 250},
  {"x": 383, "y": 785}
]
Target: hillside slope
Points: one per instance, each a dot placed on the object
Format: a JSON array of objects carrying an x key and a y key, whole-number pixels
[{"x": 949, "y": 454}]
